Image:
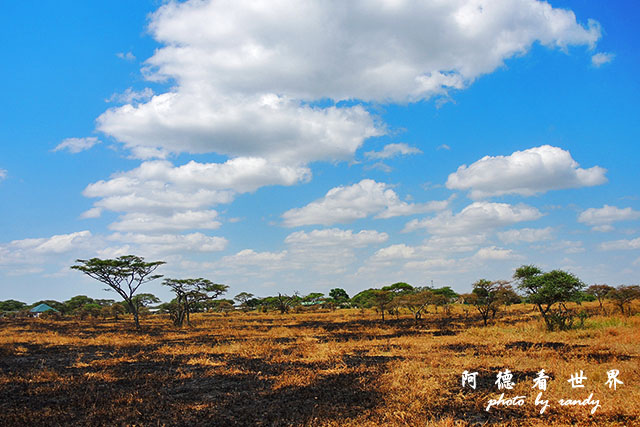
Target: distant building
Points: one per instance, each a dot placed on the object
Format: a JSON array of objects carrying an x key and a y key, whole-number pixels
[{"x": 41, "y": 308}]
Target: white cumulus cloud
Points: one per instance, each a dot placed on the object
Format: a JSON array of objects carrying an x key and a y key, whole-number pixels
[
  {"x": 528, "y": 235},
  {"x": 336, "y": 237},
  {"x": 346, "y": 204},
  {"x": 494, "y": 253},
  {"x": 624, "y": 244},
  {"x": 533, "y": 171},
  {"x": 37, "y": 251},
  {"x": 601, "y": 218},
  {"x": 54, "y": 244},
  {"x": 246, "y": 74},
  {"x": 475, "y": 218},
  {"x": 269, "y": 126},
  {"x": 150, "y": 223},
  {"x": 172, "y": 243},
  {"x": 159, "y": 196}
]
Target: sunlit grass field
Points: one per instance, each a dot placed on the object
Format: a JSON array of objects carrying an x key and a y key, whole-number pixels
[{"x": 339, "y": 368}]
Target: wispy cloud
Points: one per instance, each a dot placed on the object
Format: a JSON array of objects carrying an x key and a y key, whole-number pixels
[
  {"x": 602, "y": 58},
  {"x": 130, "y": 96},
  {"x": 127, "y": 56},
  {"x": 392, "y": 150},
  {"x": 76, "y": 145}
]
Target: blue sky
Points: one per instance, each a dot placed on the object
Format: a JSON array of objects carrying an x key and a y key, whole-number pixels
[{"x": 304, "y": 146}]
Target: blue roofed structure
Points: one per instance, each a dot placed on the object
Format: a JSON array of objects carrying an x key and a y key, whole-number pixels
[{"x": 41, "y": 308}]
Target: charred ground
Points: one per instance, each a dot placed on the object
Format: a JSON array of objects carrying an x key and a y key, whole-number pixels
[{"x": 336, "y": 368}]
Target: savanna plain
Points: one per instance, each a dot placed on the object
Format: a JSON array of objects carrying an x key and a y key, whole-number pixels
[{"x": 323, "y": 368}]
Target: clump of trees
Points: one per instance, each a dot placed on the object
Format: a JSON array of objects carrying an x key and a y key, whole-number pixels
[
  {"x": 622, "y": 296},
  {"x": 487, "y": 296},
  {"x": 338, "y": 297},
  {"x": 12, "y": 305},
  {"x": 190, "y": 293},
  {"x": 550, "y": 292},
  {"x": 599, "y": 292},
  {"x": 390, "y": 299},
  {"x": 417, "y": 302}
]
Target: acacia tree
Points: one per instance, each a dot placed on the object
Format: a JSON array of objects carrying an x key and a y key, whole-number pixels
[
  {"x": 124, "y": 275},
  {"x": 547, "y": 290},
  {"x": 189, "y": 292},
  {"x": 381, "y": 299},
  {"x": 600, "y": 292},
  {"x": 243, "y": 298},
  {"x": 487, "y": 296},
  {"x": 417, "y": 303},
  {"x": 142, "y": 301},
  {"x": 443, "y": 296},
  {"x": 623, "y": 296}
]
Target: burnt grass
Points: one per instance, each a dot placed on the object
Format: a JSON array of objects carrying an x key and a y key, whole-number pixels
[
  {"x": 150, "y": 390},
  {"x": 59, "y": 385}
]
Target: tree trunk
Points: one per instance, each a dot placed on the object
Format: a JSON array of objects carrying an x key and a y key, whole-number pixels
[
  {"x": 134, "y": 311},
  {"x": 136, "y": 319}
]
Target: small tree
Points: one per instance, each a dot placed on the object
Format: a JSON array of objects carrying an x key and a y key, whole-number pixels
[
  {"x": 623, "y": 296},
  {"x": 124, "y": 275},
  {"x": 382, "y": 299},
  {"x": 339, "y": 296},
  {"x": 443, "y": 297},
  {"x": 243, "y": 298},
  {"x": 363, "y": 299},
  {"x": 284, "y": 302},
  {"x": 190, "y": 292},
  {"x": 599, "y": 292},
  {"x": 115, "y": 309},
  {"x": 143, "y": 301},
  {"x": 417, "y": 303},
  {"x": 549, "y": 292},
  {"x": 399, "y": 288},
  {"x": 487, "y": 297},
  {"x": 220, "y": 305},
  {"x": 88, "y": 310},
  {"x": 313, "y": 298},
  {"x": 75, "y": 304}
]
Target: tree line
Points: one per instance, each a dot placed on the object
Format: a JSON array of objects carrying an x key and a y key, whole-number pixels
[{"x": 549, "y": 292}]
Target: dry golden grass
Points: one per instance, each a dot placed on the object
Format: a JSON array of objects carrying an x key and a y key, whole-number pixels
[{"x": 341, "y": 368}]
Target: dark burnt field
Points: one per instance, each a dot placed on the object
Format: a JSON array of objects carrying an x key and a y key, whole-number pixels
[{"x": 338, "y": 368}]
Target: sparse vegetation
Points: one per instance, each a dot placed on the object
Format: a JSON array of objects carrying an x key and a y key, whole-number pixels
[
  {"x": 311, "y": 360},
  {"x": 328, "y": 368}
]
